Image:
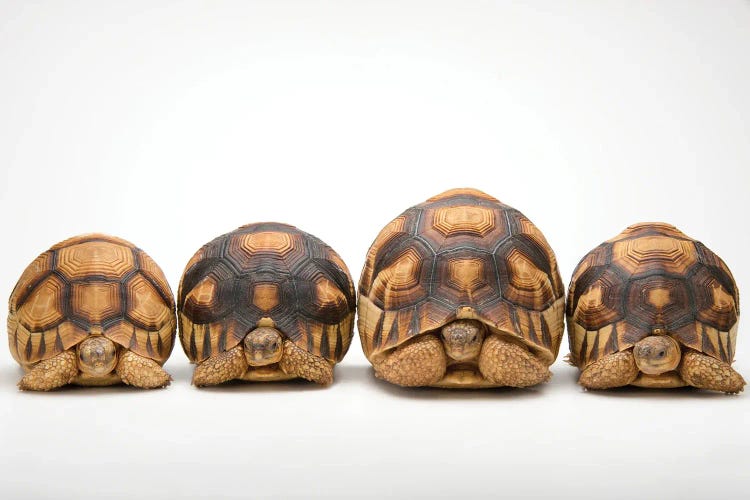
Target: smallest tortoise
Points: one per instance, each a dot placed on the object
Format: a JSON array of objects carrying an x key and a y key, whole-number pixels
[
  {"x": 265, "y": 302},
  {"x": 92, "y": 310},
  {"x": 654, "y": 308}
]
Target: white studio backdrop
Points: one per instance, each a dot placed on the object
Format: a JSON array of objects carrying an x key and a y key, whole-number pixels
[{"x": 169, "y": 123}]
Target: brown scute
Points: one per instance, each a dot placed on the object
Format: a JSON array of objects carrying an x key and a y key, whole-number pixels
[
  {"x": 458, "y": 251},
  {"x": 44, "y": 308},
  {"x": 651, "y": 277},
  {"x": 266, "y": 272},
  {"x": 94, "y": 258},
  {"x": 95, "y": 302},
  {"x": 91, "y": 283},
  {"x": 34, "y": 274}
]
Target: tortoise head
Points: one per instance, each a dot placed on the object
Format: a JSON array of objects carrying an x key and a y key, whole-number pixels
[
  {"x": 463, "y": 339},
  {"x": 657, "y": 354},
  {"x": 263, "y": 346},
  {"x": 97, "y": 356}
]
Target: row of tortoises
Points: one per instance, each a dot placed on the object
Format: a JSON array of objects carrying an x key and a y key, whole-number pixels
[{"x": 459, "y": 291}]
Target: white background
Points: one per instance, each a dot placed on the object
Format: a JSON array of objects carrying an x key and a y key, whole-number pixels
[{"x": 169, "y": 123}]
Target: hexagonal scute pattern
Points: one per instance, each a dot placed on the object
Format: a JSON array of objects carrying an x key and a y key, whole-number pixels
[
  {"x": 651, "y": 277},
  {"x": 267, "y": 273},
  {"x": 44, "y": 308},
  {"x": 88, "y": 283},
  {"x": 95, "y": 302},
  {"x": 92, "y": 258},
  {"x": 460, "y": 254}
]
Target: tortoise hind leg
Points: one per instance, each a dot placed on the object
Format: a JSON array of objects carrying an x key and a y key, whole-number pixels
[
  {"x": 142, "y": 372},
  {"x": 51, "y": 373},
  {"x": 613, "y": 370},
  {"x": 705, "y": 372},
  {"x": 302, "y": 364},
  {"x": 505, "y": 363},
  {"x": 421, "y": 362},
  {"x": 223, "y": 367}
]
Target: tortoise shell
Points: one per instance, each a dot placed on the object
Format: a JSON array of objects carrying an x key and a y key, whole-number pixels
[
  {"x": 266, "y": 274},
  {"x": 91, "y": 284},
  {"x": 461, "y": 254},
  {"x": 651, "y": 279}
]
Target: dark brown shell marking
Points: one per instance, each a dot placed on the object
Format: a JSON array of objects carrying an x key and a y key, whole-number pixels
[
  {"x": 460, "y": 254},
  {"x": 651, "y": 277},
  {"x": 91, "y": 283},
  {"x": 266, "y": 272}
]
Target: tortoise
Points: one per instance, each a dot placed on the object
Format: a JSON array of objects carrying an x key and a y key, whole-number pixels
[
  {"x": 461, "y": 291},
  {"x": 653, "y": 307},
  {"x": 92, "y": 310},
  {"x": 265, "y": 302}
]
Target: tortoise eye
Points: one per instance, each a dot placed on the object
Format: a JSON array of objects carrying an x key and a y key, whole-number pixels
[{"x": 661, "y": 354}]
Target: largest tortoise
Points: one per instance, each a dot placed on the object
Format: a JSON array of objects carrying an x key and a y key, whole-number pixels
[
  {"x": 265, "y": 302},
  {"x": 92, "y": 310},
  {"x": 652, "y": 307},
  {"x": 461, "y": 291}
]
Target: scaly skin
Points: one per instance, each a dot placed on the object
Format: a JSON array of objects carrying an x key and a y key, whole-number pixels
[
  {"x": 141, "y": 372},
  {"x": 223, "y": 367},
  {"x": 51, "y": 373},
  {"x": 509, "y": 364},
  {"x": 302, "y": 364},
  {"x": 613, "y": 370},
  {"x": 705, "y": 372},
  {"x": 421, "y": 362}
]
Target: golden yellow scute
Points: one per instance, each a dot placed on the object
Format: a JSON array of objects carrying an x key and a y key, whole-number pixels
[
  {"x": 328, "y": 295},
  {"x": 449, "y": 221},
  {"x": 36, "y": 271},
  {"x": 145, "y": 305},
  {"x": 94, "y": 258},
  {"x": 386, "y": 235},
  {"x": 150, "y": 269},
  {"x": 592, "y": 307},
  {"x": 96, "y": 301},
  {"x": 93, "y": 284},
  {"x": 651, "y": 278},
  {"x": 461, "y": 254},
  {"x": 466, "y": 274},
  {"x": 638, "y": 255},
  {"x": 43, "y": 309},
  {"x": 400, "y": 282},
  {"x": 529, "y": 285}
]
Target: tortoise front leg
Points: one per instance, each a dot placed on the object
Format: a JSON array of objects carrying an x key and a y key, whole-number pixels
[
  {"x": 613, "y": 370},
  {"x": 142, "y": 372},
  {"x": 223, "y": 367},
  {"x": 505, "y": 363},
  {"x": 51, "y": 373},
  {"x": 705, "y": 372},
  {"x": 302, "y": 364},
  {"x": 421, "y": 362}
]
